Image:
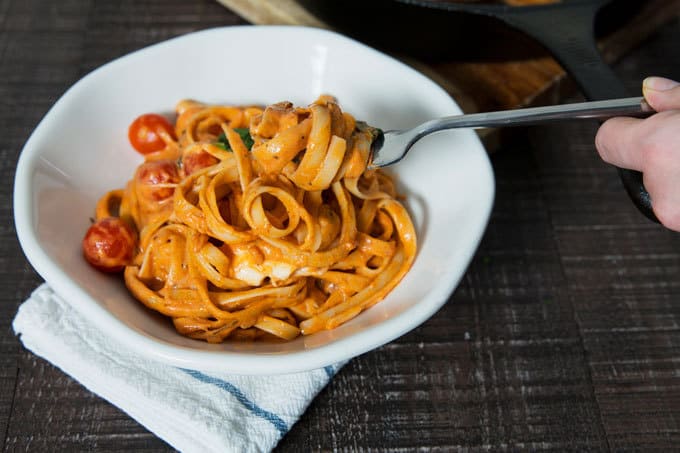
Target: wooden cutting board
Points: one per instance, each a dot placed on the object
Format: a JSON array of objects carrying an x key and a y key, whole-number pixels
[{"x": 485, "y": 86}]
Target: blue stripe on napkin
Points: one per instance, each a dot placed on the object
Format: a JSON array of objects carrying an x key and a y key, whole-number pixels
[{"x": 256, "y": 410}]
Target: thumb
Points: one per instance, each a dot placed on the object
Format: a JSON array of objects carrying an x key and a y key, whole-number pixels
[{"x": 661, "y": 93}]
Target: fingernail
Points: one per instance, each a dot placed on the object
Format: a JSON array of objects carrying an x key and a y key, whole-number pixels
[{"x": 659, "y": 83}]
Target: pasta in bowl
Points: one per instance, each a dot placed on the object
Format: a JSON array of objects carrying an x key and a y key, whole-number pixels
[
  {"x": 80, "y": 151},
  {"x": 254, "y": 223}
]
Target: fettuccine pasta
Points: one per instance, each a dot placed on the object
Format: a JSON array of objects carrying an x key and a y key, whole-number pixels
[{"x": 247, "y": 223}]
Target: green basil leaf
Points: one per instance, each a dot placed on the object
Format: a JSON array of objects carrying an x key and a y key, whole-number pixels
[{"x": 243, "y": 132}]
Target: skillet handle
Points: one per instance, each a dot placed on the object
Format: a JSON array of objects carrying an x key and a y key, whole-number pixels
[{"x": 570, "y": 39}]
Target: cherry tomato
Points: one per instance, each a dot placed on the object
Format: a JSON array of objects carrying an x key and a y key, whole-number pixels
[
  {"x": 156, "y": 179},
  {"x": 109, "y": 244},
  {"x": 145, "y": 133},
  {"x": 196, "y": 160}
]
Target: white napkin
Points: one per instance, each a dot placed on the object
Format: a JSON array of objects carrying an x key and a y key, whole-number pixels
[{"x": 191, "y": 410}]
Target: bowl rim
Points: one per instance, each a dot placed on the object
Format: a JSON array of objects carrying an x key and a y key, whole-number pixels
[{"x": 233, "y": 362}]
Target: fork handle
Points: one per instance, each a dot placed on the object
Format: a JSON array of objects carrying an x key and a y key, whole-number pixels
[{"x": 635, "y": 106}]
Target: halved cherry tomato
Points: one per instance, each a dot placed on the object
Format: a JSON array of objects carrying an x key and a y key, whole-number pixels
[
  {"x": 109, "y": 244},
  {"x": 195, "y": 160},
  {"x": 146, "y": 130},
  {"x": 156, "y": 179}
]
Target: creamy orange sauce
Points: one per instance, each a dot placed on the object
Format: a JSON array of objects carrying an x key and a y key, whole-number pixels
[{"x": 263, "y": 223}]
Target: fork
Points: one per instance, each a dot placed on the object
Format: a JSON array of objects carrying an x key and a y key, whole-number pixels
[{"x": 389, "y": 147}]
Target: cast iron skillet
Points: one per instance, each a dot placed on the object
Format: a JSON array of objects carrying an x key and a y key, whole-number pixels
[{"x": 444, "y": 29}]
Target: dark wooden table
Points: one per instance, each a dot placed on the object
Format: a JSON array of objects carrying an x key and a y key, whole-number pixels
[{"x": 563, "y": 335}]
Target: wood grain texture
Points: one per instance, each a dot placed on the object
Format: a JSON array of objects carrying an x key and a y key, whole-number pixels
[
  {"x": 562, "y": 336},
  {"x": 623, "y": 277}
]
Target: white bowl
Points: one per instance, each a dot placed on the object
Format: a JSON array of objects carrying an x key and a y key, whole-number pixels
[{"x": 80, "y": 150}]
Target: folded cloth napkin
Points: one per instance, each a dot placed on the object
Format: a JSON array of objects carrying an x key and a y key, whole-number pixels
[{"x": 191, "y": 410}]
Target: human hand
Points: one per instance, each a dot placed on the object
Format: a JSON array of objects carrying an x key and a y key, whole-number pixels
[{"x": 651, "y": 146}]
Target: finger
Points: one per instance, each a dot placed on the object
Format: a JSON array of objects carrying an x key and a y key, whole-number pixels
[
  {"x": 661, "y": 94},
  {"x": 618, "y": 142}
]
